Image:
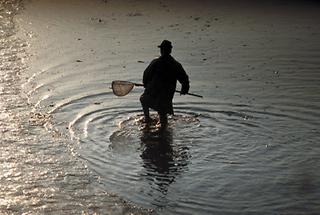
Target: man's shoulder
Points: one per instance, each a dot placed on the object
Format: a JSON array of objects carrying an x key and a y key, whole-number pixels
[
  {"x": 175, "y": 61},
  {"x": 154, "y": 61}
]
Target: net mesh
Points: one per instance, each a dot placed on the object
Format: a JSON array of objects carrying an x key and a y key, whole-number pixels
[{"x": 121, "y": 88}]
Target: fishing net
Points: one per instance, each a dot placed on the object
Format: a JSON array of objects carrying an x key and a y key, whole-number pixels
[{"x": 121, "y": 88}]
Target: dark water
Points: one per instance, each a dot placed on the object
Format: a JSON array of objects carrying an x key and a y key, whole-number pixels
[{"x": 249, "y": 147}]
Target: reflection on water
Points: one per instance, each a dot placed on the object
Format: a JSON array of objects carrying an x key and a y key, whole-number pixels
[
  {"x": 146, "y": 161},
  {"x": 161, "y": 161}
]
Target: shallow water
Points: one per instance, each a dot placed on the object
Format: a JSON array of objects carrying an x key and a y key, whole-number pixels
[{"x": 250, "y": 146}]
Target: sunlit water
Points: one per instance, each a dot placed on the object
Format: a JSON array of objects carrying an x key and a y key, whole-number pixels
[
  {"x": 39, "y": 173},
  {"x": 249, "y": 146}
]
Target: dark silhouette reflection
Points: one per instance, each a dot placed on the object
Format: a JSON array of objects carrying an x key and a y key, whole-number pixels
[{"x": 163, "y": 160}]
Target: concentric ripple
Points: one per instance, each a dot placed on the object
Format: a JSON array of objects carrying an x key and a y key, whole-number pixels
[
  {"x": 242, "y": 142},
  {"x": 129, "y": 158}
]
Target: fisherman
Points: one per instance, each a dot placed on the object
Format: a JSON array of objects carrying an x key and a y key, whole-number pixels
[{"x": 160, "y": 80}]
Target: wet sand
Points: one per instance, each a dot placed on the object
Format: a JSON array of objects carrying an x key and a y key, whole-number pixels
[{"x": 250, "y": 146}]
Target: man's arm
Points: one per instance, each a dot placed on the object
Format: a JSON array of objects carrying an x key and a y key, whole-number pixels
[{"x": 183, "y": 79}]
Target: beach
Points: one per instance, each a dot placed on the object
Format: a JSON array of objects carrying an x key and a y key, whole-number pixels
[{"x": 70, "y": 146}]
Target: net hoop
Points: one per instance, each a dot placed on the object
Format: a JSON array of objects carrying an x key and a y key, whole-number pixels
[{"x": 121, "y": 88}]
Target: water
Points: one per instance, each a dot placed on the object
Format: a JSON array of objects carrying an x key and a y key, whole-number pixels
[{"x": 249, "y": 147}]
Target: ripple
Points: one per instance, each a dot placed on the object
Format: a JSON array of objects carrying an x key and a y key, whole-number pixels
[{"x": 145, "y": 166}]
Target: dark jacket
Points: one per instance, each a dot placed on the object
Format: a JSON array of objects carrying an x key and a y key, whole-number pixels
[{"x": 160, "y": 80}]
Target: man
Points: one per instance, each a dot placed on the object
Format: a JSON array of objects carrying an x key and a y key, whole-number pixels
[{"x": 160, "y": 80}]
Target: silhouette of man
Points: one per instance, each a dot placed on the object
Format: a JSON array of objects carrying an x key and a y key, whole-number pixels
[{"x": 160, "y": 80}]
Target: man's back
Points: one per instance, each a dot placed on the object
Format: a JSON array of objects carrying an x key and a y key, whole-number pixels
[{"x": 160, "y": 78}]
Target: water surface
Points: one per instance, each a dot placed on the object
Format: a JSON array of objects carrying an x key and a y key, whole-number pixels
[{"x": 250, "y": 146}]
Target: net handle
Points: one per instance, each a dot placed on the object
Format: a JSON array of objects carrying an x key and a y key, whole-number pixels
[
  {"x": 141, "y": 85},
  {"x": 138, "y": 85}
]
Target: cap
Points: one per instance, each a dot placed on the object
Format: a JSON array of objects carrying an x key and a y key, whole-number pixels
[{"x": 165, "y": 44}]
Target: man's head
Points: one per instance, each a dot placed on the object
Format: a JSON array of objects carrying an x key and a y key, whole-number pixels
[{"x": 165, "y": 47}]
